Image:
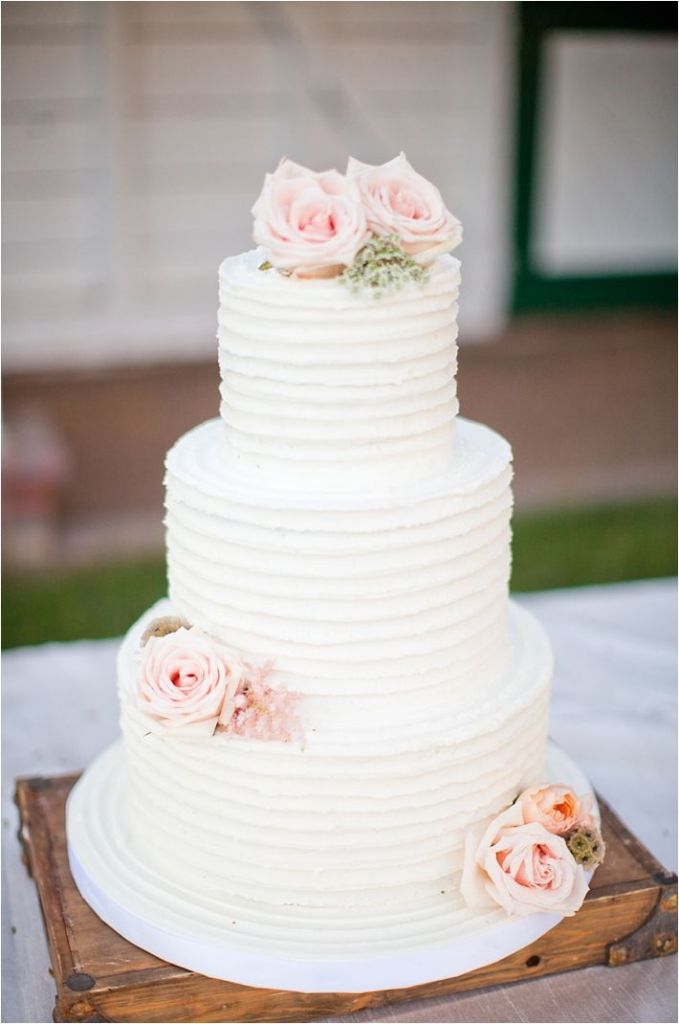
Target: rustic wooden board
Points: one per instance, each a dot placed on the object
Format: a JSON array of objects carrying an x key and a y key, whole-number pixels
[{"x": 630, "y": 914}]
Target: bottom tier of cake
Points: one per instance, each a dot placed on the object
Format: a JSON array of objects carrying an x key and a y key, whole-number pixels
[
  {"x": 290, "y": 948},
  {"x": 340, "y": 825}
]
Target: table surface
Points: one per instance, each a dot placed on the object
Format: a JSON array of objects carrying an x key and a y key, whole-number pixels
[{"x": 613, "y": 711}]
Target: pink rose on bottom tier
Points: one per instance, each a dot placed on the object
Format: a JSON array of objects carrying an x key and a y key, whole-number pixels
[
  {"x": 521, "y": 867},
  {"x": 187, "y": 681}
]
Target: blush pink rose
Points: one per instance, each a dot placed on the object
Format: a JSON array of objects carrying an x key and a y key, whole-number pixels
[
  {"x": 522, "y": 868},
  {"x": 310, "y": 224},
  {"x": 188, "y": 681},
  {"x": 556, "y": 808},
  {"x": 400, "y": 201}
]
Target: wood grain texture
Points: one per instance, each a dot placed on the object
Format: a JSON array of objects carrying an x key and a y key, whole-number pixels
[{"x": 630, "y": 915}]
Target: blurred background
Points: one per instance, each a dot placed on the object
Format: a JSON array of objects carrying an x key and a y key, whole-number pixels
[{"x": 135, "y": 140}]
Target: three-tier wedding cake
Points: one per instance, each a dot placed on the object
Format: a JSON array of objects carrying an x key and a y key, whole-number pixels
[{"x": 327, "y": 725}]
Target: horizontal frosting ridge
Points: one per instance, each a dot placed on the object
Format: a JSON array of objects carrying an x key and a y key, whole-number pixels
[
  {"x": 353, "y": 818},
  {"x": 303, "y": 347}
]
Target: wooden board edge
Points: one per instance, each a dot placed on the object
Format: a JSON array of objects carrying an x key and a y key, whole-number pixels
[
  {"x": 218, "y": 1001},
  {"x": 575, "y": 944},
  {"x": 639, "y": 850},
  {"x": 36, "y": 843}
]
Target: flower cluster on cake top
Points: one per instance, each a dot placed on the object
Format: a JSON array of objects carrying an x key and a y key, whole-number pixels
[
  {"x": 535, "y": 856},
  {"x": 192, "y": 684},
  {"x": 376, "y": 227}
]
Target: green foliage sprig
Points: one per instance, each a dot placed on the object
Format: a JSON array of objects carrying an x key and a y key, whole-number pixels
[{"x": 381, "y": 267}]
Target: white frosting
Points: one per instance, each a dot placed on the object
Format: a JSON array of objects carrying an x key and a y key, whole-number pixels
[
  {"x": 344, "y": 523},
  {"x": 297, "y": 948},
  {"x": 367, "y": 593},
  {"x": 370, "y": 811},
  {"x": 318, "y": 383}
]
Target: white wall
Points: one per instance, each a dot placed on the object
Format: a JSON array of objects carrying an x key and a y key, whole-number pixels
[{"x": 136, "y": 137}]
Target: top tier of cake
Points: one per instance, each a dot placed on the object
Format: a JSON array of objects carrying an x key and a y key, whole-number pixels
[{"x": 322, "y": 387}]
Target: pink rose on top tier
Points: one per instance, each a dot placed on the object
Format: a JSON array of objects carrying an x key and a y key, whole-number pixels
[
  {"x": 556, "y": 808},
  {"x": 400, "y": 201},
  {"x": 188, "y": 682},
  {"x": 311, "y": 225},
  {"x": 522, "y": 868}
]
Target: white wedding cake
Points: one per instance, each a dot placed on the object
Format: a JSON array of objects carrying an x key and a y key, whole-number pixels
[{"x": 338, "y": 691}]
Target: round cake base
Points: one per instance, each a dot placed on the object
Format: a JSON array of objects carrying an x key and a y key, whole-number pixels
[{"x": 241, "y": 943}]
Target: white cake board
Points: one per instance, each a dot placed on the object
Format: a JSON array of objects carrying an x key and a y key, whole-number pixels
[{"x": 138, "y": 904}]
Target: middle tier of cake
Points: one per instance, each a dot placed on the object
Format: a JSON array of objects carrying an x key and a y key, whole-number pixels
[{"x": 367, "y": 593}]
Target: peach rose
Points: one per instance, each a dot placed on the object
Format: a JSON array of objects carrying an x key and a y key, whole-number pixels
[
  {"x": 556, "y": 808},
  {"x": 310, "y": 224},
  {"x": 400, "y": 201},
  {"x": 521, "y": 867},
  {"x": 188, "y": 681}
]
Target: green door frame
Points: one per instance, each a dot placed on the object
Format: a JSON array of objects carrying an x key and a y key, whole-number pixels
[{"x": 533, "y": 291}]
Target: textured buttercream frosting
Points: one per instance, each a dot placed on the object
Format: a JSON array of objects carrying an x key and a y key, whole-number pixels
[
  {"x": 322, "y": 386},
  {"x": 370, "y": 815},
  {"x": 341, "y": 520},
  {"x": 372, "y": 592}
]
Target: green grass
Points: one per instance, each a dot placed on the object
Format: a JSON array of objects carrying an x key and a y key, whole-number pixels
[
  {"x": 92, "y": 603},
  {"x": 564, "y": 548},
  {"x": 598, "y": 544}
]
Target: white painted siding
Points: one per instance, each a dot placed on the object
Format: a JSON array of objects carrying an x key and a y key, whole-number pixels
[{"x": 136, "y": 137}]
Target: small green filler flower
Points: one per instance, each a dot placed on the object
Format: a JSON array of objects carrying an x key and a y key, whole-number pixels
[
  {"x": 382, "y": 267},
  {"x": 587, "y": 846}
]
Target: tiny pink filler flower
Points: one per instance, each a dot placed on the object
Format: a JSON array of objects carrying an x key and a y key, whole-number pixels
[
  {"x": 400, "y": 201},
  {"x": 263, "y": 712},
  {"x": 188, "y": 682},
  {"x": 311, "y": 224}
]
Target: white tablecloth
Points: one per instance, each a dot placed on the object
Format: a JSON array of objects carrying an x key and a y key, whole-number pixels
[{"x": 613, "y": 710}]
